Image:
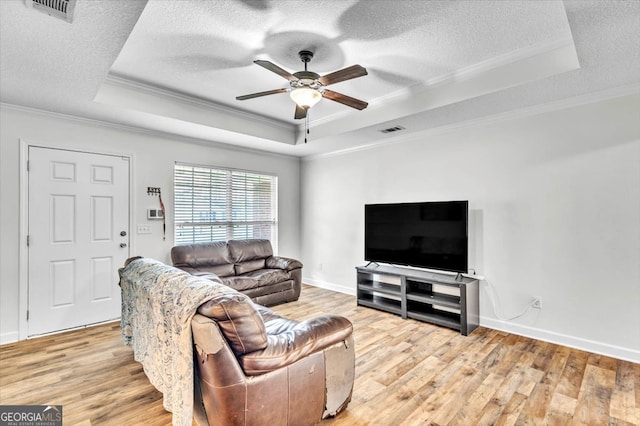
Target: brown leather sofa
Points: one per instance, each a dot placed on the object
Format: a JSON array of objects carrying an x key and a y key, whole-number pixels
[
  {"x": 258, "y": 368},
  {"x": 248, "y": 366},
  {"x": 248, "y": 266}
]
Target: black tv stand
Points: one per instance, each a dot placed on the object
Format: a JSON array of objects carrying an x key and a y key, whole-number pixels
[
  {"x": 368, "y": 264},
  {"x": 438, "y": 298}
]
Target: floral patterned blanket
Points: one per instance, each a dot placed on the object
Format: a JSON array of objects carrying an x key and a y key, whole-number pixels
[{"x": 158, "y": 303}]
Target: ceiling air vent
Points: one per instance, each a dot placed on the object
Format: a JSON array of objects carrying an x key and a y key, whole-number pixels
[
  {"x": 392, "y": 129},
  {"x": 62, "y": 9}
]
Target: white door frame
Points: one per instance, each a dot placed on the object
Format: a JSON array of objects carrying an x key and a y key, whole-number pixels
[{"x": 23, "y": 255}]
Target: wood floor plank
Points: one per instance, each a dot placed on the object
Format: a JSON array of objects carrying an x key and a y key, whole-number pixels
[
  {"x": 477, "y": 400},
  {"x": 512, "y": 410},
  {"x": 623, "y": 404},
  {"x": 573, "y": 373},
  {"x": 636, "y": 373},
  {"x": 595, "y": 395},
  {"x": 407, "y": 373}
]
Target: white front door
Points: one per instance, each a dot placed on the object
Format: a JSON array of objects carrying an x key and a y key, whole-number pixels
[{"x": 78, "y": 237}]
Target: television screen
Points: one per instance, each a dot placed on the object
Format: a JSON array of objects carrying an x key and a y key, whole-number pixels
[{"x": 430, "y": 235}]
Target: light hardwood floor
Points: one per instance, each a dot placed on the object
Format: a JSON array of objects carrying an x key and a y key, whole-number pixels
[{"x": 407, "y": 373}]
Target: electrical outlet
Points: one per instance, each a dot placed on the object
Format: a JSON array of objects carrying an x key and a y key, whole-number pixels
[{"x": 537, "y": 302}]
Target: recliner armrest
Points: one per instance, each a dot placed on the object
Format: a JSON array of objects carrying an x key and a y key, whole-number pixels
[
  {"x": 295, "y": 342},
  {"x": 279, "y": 262},
  {"x": 206, "y": 336}
]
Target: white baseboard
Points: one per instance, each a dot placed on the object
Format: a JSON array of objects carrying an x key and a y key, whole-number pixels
[
  {"x": 618, "y": 352},
  {"x": 626, "y": 354},
  {"x": 330, "y": 286},
  {"x": 11, "y": 337}
]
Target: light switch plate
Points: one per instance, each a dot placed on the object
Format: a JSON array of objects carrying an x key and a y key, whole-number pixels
[{"x": 144, "y": 229}]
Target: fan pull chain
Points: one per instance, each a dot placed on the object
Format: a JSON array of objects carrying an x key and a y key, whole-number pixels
[{"x": 306, "y": 126}]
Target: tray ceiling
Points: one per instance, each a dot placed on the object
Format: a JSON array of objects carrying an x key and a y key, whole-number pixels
[{"x": 177, "y": 66}]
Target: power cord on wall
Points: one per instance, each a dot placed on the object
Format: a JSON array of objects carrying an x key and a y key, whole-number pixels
[{"x": 493, "y": 296}]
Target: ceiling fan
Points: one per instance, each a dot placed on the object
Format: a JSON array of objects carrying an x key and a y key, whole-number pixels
[{"x": 307, "y": 87}]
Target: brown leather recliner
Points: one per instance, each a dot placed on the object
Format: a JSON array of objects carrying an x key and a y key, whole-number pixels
[
  {"x": 258, "y": 368},
  {"x": 248, "y": 266}
]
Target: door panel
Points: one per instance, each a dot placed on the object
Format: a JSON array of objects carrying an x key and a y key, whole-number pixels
[{"x": 78, "y": 208}]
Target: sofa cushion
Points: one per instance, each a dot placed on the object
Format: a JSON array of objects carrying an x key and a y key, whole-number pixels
[
  {"x": 206, "y": 275},
  {"x": 201, "y": 254},
  {"x": 252, "y": 265},
  {"x": 276, "y": 290},
  {"x": 244, "y": 250},
  {"x": 238, "y": 320},
  {"x": 240, "y": 283},
  {"x": 219, "y": 270},
  {"x": 268, "y": 276}
]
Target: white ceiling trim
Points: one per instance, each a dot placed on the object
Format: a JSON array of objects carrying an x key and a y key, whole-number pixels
[
  {"x": 480, "y": 68},
  {"x": 117, "y": 80},
  {"x": 497, "y": 73},
  {"x": 140, "y": 130},
  {"x": 590, "y": 98},
  {"x": 165, "y": 103},
  {"x": 411, "y": 53},
  {"x": 475, "y": 70},
  {"x": 477, "y": 80}
]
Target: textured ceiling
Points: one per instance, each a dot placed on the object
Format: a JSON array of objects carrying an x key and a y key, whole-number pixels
[
  {"x": 177, "y": 66},
  {"x": 193, "y": 47}
]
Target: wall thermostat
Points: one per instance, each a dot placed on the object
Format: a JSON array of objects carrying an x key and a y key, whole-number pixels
[{"x": 154, "y": 214}]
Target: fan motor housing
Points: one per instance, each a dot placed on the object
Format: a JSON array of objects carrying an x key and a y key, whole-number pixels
[
  {"x": 306, "y": 75},
  {"x": 306, "y": 79}
]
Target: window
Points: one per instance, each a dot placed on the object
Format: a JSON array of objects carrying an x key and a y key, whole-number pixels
[{"x": 223, "y": 204}]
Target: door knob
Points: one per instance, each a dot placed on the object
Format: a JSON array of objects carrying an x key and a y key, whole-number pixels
[
  {"x": 123, "y": 233},
  {"x": 123, "y": 245}
]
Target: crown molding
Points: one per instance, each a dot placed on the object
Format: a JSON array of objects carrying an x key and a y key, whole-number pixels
[
  {"x": 139, "y": 130},
  {"x": 516, "y": 69},
  {"x": 558, "y": 105},
  {"x": 552, "y": 106},
  {"x": 465, "y": 73},
  {"x": 132, "y": 84},
  {"x": 486, "y": 66}
]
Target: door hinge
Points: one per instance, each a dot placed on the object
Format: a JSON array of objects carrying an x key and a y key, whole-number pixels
[
  {"x": 27, "y": 241},
  {"x": 27, "y": 315},
  {"x": 28, "y": 165}
]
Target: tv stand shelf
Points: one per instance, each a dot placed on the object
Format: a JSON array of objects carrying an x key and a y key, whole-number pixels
[{"x": 433, "y": 297}]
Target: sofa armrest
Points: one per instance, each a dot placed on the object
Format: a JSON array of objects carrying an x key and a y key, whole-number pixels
[
  {"x": 206, "y": 336},
  {"x": 279, "y": 262},
  {"x": 297, "y": 341}
]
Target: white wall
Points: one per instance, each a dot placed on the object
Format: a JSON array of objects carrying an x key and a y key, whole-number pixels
[
  {"x": 554, "y": 199},
  {"x": 154, "y": 157},
  {"x": 554, "y": 212}
]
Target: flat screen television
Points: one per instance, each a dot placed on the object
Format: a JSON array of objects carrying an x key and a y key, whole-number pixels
[{"x": 430, "y": 235}]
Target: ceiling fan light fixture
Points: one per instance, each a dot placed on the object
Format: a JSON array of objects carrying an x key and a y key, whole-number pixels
[
  {"x": 307, "y": 87},
  {"x": 305, "y": 97}
]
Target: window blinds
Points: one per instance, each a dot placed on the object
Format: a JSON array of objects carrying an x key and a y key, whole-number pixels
[{"x": 222, "y": 204}]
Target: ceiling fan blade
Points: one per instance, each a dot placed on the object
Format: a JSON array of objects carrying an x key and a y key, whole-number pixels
[
  {"x": 344, "y": 74},
  {"x": 257, "y": 95},
  {"x": 300, "y": 112},
  {"x": 344, "y": 99},
  {"x": 274, "y": 68}
]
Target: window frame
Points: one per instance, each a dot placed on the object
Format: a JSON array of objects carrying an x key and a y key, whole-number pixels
[{"x": 229, "y": 201}]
